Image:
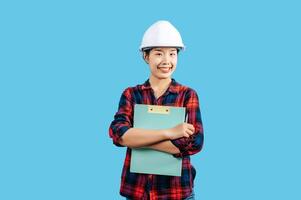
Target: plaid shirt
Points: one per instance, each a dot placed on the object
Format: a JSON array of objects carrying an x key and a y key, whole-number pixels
[{"x": 138, "y": 186}]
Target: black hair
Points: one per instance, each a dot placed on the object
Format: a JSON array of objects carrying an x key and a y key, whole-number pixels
[{"x": 147, "y": 50}]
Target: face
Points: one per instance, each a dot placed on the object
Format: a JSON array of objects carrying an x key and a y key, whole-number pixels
[{"x": 162, "y": 62}]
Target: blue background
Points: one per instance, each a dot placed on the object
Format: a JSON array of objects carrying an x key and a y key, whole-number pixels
[{"x": 64, "y": 65}]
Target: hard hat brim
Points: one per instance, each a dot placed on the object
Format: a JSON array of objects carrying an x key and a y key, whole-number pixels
[{"x": 151, "y": 47}]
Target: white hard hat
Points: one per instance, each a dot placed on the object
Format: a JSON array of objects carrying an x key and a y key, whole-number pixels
[{"x": 161, "y": 34}]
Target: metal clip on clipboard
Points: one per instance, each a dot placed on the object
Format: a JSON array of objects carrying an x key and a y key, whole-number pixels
[{"x": 158, "y": 109}]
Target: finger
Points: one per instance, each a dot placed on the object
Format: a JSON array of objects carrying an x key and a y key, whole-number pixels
[
  {"x": 186, "y": 135},
  {"x": 188, "y": 131},
  {"x": 191, "y": 127}
]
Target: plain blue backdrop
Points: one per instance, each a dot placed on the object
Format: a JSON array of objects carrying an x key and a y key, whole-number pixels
[{"x": 64, "y": 65}]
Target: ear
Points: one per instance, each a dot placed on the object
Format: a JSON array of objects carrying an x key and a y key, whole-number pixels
[{"x": 145, "y": 57}]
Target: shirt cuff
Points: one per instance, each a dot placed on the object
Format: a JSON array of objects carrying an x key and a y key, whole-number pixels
[
  {"x": 120, "y": 133},
  {"x": 182, "y": 146}
]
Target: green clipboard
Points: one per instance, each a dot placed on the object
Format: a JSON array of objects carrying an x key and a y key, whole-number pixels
[{"x": 150, "y": 161}]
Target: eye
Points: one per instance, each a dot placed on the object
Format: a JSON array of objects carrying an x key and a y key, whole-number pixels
[
  {"x": 172, "y": 54},
  {"x": 158, "y": 54}
]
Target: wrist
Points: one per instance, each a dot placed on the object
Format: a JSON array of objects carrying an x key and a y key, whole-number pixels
[{"x": 166, "y": 134}]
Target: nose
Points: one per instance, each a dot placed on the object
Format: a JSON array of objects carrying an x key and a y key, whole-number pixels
[{"x": 165, "y": 61}]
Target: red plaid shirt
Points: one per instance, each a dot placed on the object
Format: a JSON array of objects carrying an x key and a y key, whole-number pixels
[{"x": 138, "y": 186}]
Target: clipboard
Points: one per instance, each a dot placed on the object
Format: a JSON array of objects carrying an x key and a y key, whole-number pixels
[{"x": 149, "y": 161}]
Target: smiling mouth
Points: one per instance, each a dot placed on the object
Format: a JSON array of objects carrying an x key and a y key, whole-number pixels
[{"x": 165, "y": 69}]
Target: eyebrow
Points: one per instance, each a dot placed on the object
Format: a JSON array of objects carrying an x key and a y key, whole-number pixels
[{"x": 162, "y": 51}]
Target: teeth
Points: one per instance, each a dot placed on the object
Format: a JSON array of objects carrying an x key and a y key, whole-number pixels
[{"x": 165, "y": 69}]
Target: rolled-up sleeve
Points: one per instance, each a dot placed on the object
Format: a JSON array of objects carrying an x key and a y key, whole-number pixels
[
  {"x": 123, "y": 119},
  {"x": 193, "y": 144}
]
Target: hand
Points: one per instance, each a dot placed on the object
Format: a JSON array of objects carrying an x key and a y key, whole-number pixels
[{"x": 181, "y": 130}]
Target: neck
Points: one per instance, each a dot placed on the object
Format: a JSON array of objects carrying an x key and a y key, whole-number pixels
[{"x": 159, "y": 84}]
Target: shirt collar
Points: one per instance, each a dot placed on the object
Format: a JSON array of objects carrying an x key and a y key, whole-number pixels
[{"x": 173, "y": 87}]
